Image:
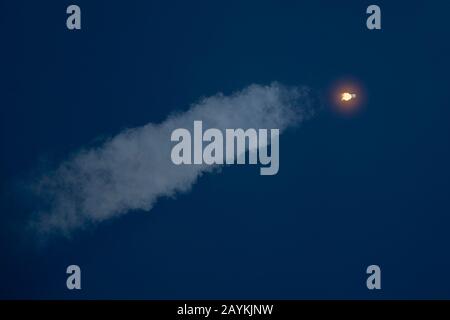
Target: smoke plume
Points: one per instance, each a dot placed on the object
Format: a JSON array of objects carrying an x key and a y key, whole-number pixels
[{"x": 131, "y": 170}]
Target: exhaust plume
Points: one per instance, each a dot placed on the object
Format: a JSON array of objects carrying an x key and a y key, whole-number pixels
[{"x": 131, "y": 170}]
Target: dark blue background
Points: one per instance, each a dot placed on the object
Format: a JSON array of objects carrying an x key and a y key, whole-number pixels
[{"x": 371, "y": 189}]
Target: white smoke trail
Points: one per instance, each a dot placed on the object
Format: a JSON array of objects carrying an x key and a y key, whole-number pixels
[{"x": 133, "y": 169}]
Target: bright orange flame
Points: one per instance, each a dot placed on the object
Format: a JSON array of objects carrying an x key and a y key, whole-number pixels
[{"x": 347, "y": 96}]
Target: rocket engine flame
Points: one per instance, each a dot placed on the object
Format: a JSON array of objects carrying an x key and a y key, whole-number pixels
[{"x": 347, "y": 96}]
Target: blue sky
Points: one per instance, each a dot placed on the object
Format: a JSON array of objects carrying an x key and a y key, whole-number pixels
[{"x": 369, "y": 189}]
